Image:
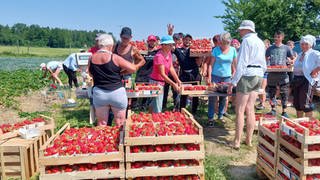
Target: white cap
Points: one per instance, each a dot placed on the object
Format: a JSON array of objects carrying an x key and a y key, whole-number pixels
[
  {"x": 247, "y": 24},
  {"x": 42, "y": 65},
  {"x": 308, "y": 39}
]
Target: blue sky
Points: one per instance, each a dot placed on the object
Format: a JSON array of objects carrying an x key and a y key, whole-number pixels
[{"x": 143, "y": 16}]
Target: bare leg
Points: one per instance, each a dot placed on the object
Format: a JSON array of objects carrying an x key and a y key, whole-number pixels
[
  {"x": 102, "y": 114},
  {"x": 263, "y": 96},
  {"x": 250, "y": 116},
  {"x": 241, "y": 103},
  {"x": 119, "y": 116}
]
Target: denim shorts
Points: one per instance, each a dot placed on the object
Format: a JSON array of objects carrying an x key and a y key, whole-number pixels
[{"x": 116, "y": 98}]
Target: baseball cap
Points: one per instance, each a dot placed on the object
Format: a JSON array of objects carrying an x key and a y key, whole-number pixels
[
  {"x": 166, "y": 40},
  {"x": 235, "y": 41},
  {"x": 42, "y": 66},
  {"x": 247, "y": 24},
  {"x": 126, "y": 32},
  {"x": 152, "y": 38}
]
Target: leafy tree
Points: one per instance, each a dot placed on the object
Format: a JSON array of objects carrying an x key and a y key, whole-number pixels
[
  {"x": 294, "y": 17},
  {"x": 34, "y": 35}
]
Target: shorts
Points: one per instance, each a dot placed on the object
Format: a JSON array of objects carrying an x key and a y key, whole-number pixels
[
  {"x": 116, "y": 98},
  {"x": 248, "y": 84}
]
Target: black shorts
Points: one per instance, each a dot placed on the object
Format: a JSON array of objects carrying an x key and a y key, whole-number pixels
[{"x": 302, "y": 92}]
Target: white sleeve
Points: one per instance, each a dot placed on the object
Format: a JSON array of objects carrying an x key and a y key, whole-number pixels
[{"x": 242, "y": 62}]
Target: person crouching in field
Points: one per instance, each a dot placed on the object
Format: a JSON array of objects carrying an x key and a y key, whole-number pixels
[
  {"x": 306, "y": 76},
  {"x": 54, "y": 68},
  {"x": 108, "y": 91}
]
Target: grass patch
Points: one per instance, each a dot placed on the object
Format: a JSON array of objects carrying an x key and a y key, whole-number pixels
[
  {"x": 216, "y": 167},
  {"x": 23, "y": 51}
]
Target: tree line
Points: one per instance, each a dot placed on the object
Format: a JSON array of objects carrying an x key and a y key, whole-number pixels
[
  {"x": 23, "y": 35},
  {"x": 294, "y": 17}
]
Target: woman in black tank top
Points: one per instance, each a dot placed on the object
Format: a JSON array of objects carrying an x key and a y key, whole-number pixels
[{"x": 105, "y": 69}]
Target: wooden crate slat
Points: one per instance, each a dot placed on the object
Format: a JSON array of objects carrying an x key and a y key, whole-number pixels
[
  {"x": 290, "y": 147},
  {"x": 156, "y": 156},
  {"x": 290, "y": 160},
  {"x": 79, "y": 159},
  {"x": 267, "y": 144},
  {"x": 266, "y": 155},
  {"x": 267, "y": 132},
  {"x": 118, "y": 173},
  {"x": 169, "y": 171},
  {"x": 181, "y": 139},
  {"x": 268, "y": 171}
]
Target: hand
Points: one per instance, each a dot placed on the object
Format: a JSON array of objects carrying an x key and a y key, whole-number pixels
[
  {"x": 315, "y": 72},
  {"x": 208, "y": 80},
  {"x": 179, "y": 83},
  {"x": 204, "y": 73},
  {"x": 170, "y": 29},
  {"x": 176, "y": 87},
  {"x": 229, "y": 91}
]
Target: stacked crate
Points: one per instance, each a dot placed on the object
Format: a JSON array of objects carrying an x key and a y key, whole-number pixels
[
  {"x": 81, "y": 166},
  {"x": 267, "y": 147},
  {"x": 155, "y": 156},
  {"x": 19, "y": 158},
  {"x": 299, "y": 149}
]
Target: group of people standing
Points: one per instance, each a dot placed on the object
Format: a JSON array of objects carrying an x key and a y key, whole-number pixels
[{"x": 168, "y": 63}]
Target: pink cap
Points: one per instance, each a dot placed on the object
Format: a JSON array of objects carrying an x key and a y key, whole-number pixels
[
  {"x": 152, "y": 37},
  {"x": 235, "y": 41}
]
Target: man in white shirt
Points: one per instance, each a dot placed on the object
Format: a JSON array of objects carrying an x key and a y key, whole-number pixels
[{"x": 248, "y": 77}]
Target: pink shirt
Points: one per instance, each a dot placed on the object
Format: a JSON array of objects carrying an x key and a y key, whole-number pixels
[{"x": 160, "y": 59}]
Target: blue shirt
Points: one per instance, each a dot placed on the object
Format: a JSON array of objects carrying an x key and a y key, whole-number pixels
[
  {"x": 222, "y": 64},
  {"x": 54, "y": 65},
  {"x": 71, "y": 62}
]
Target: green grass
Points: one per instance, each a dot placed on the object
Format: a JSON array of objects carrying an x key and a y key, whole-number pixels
[
  {"x": 22, "y": 51},
  {"x": 216, "y": 167}
]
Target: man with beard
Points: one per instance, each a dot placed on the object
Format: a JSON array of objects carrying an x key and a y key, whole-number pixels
[
  {"x": 189, "y": 70},
  {"x": 144, "y": 72}
]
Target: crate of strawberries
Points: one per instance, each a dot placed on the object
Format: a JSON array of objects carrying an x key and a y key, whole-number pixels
[
  {"x": 83, "y": 153},
  {"x": 163, "y": 144},
  {"x": 189, "y": 89},
  {"x": 299, "y": 145},
  {"x": 267, "y": 146},
  {"x": 279, "y": 68},
  {"x": 200, "y": 48},
  {"x": 147, "y": 88},
  {"x": 42, "y": 123}
]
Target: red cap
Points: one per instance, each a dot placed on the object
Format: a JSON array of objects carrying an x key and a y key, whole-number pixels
[{"x": 152, "y": 37}]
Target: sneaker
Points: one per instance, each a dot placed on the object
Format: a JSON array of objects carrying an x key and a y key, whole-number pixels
[
  {"x": 211, "y": 123},
  {"x": 284, "y": 114},
  {"x": 272, "y": 112},
  {"x": 260, "y": 107},
  {"x": 227, "y": 115}
]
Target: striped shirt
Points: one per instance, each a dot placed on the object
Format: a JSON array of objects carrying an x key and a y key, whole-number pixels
[{"x": 251, "y": 58}]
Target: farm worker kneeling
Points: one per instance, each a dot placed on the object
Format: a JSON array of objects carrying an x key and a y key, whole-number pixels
[{"x": 54, "y": 67}]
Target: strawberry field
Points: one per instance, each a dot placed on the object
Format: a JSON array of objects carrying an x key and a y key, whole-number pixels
[{"x": 21, "y": 78}]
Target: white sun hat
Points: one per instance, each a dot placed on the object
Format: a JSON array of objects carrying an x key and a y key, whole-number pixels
[{"x": 247, "y": 24}]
